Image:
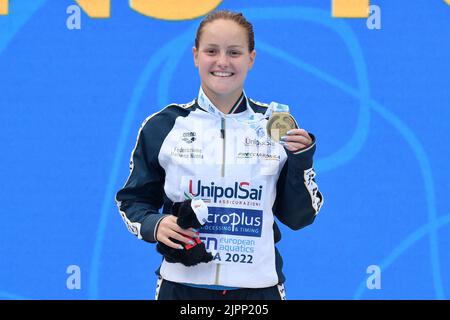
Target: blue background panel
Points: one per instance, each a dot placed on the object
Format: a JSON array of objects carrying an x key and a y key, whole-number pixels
[{"x": 72, "y": 101}]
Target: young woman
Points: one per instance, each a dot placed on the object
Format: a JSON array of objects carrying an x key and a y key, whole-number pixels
[{"x": 216, "y": 150}]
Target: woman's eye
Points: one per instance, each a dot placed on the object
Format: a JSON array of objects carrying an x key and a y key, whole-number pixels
[
  {"x": 210, "y": 51},
  {"x": 235, "y": 53}
]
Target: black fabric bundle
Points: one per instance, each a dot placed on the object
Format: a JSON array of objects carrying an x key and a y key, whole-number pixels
[{"x": 190, "y": 255}]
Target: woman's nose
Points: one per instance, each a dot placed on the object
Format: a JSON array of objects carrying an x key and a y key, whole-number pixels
[{"x": 222, "y": 60}]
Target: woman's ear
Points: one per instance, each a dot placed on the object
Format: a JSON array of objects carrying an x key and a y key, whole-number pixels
[
  {"x": 252, "y": 59},
  {"x": 195, "y": 55}
]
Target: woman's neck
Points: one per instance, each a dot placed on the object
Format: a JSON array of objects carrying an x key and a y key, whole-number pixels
[{"x": 223, "y": 103}]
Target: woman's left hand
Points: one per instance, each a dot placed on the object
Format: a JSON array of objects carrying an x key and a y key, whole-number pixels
[{"x": 296, "y": 139}]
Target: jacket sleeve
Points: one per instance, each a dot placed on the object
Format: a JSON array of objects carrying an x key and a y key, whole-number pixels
[
  {"x": 143, "y": 193},
  {"x": 298, "y": 198}
]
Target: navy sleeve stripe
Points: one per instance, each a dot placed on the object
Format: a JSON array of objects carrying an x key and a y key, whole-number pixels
[{"x": 142, "y": 195}]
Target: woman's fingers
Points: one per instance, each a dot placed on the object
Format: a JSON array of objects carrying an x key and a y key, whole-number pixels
[
  {"x": 296, "y": 139},
  {"x": 170, "y": 235},
  {"x": 178, "y": 236},
  {"x": 291, "y": 146},
  {"x": 171, "y": 244},
  {"x": 188, "y": 232},
  {"x": 169, "y": 230},
  {"x": 301, "y": 132}
]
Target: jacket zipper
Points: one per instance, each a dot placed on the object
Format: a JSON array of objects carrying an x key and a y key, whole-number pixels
[
  {"x": 222, "y": 174},
  {"x": 222, "y": 133}
]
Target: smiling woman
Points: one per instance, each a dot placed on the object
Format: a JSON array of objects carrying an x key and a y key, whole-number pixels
[
  {"x": 224, "y": 56},
  {"x": 276, "y": 179}
]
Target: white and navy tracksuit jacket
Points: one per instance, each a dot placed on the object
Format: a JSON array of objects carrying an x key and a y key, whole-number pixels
[{"x": 246, "y": 179}]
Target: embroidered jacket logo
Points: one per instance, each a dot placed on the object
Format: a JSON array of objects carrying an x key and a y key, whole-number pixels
[
  {"x": 189, "y": 137},
  {"x": 238, "y": 190},
  {"x": 255, "y": 142}
]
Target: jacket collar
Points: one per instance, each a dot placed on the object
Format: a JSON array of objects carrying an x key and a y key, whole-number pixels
[{"x": 204, "y": 103}]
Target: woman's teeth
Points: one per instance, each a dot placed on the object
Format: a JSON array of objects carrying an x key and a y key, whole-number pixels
[{"x": 222, "y": 74}]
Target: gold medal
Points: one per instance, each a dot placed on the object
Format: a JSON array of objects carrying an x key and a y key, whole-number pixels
[{"x": 280, "y": 122}]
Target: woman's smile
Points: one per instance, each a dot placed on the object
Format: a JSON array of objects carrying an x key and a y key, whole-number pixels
[{"x": 222, "y": 74}]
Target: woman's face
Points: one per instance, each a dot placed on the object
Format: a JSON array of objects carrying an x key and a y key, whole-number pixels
[{"x": 223, "y": 59}]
